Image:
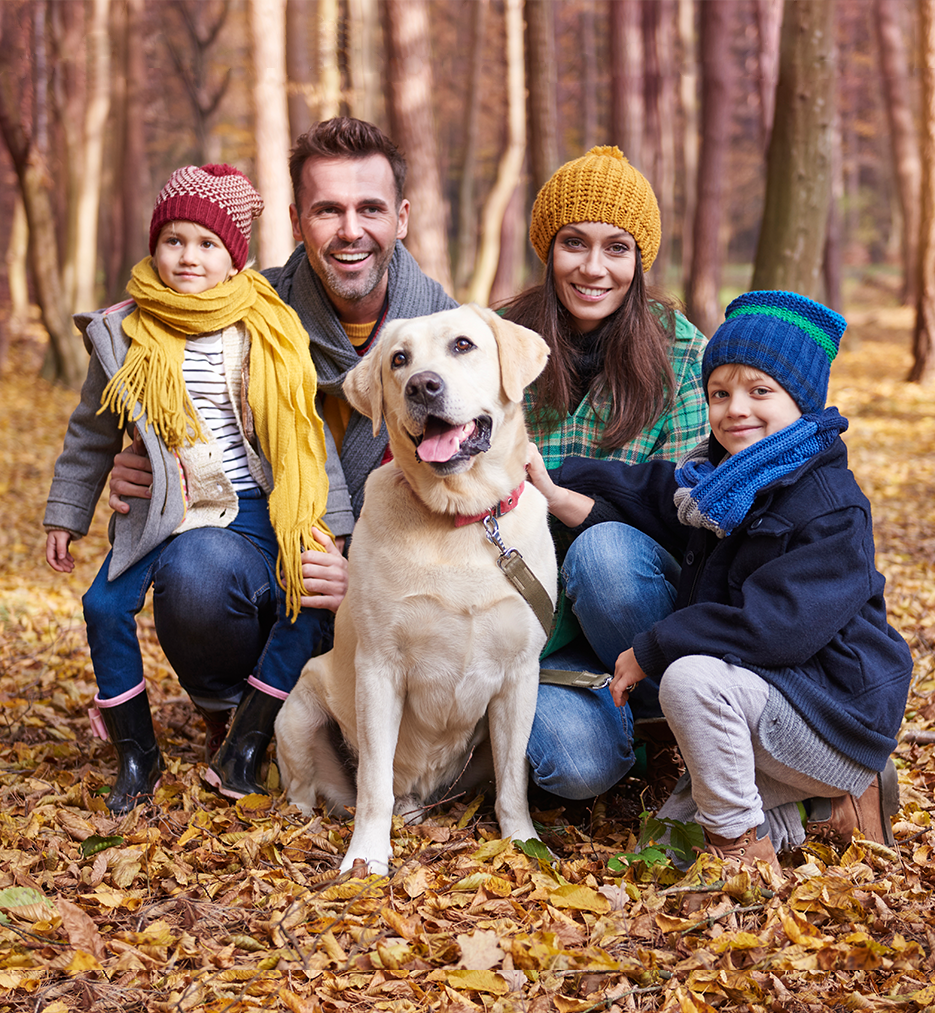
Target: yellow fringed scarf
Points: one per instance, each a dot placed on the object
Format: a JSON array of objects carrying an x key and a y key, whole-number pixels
[{"x": 282, "y": 393}]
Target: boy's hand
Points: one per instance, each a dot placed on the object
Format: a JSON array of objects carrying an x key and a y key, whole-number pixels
[
  {"x": 56, "y": 551},
  {"x": 132, "y": 475},
  {"x": 324, "y": 574},
  {"x": 627, "y": 675}
]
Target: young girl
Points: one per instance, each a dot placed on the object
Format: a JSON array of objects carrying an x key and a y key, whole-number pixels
[
  {"x": 623, "y": 382},
  {"x": 780, "y": 678},
  {"x": 213, "y": 372}
]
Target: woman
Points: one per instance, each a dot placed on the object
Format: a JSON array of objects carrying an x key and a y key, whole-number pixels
[{"x": 623, "y": 382}]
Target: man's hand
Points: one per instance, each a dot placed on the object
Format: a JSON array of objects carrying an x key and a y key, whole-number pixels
[
  {"x": 324, "y": 574},
  {"x": 56, "y": 551},
  {"x": 132, "y": 475},
  {"x": 627, "y": 674}
]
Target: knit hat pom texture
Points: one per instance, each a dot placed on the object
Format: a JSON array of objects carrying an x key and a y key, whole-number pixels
[
  {"x": 784, "y": 335},
  {"x": 217, "y": 197},
  {"x": 600, "y": 186}
]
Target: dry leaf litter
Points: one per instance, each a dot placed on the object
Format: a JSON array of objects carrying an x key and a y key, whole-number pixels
[{"x": 192, "y": 903}]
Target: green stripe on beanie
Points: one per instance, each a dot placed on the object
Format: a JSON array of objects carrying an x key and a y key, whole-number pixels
[{"x": 829, "y": 346}]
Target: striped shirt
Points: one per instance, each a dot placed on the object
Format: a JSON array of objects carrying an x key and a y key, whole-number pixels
[{"x": 203, "y": 369}]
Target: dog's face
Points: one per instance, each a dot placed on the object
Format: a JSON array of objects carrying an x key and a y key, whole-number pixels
[{"x": 445, "y": 384}]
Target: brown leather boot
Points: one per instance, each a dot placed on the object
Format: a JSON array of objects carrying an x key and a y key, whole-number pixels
[
  {"x": 215, "y": 729},
  {"x": 747, "y": 848},
  {"x": 834, "y": 820}
]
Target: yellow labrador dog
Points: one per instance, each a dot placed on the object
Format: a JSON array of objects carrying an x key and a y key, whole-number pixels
[{"x": 433, "y": 645}]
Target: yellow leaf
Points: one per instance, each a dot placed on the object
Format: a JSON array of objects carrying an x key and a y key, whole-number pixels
[
  {"x": 580, "y": 898},
  {"x": 82, "y": 961},
  {"x": 479, "y": 981}
]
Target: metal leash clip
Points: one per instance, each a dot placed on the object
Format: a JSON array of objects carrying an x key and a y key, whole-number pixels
[{"x": 492, "y": 531}]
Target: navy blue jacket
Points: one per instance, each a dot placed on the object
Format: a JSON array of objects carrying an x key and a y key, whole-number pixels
[{"x": 792, "y": 593}]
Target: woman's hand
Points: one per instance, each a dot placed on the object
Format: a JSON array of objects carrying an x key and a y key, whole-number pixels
[
  {"x": 627, "y": 675},
  {"x": 324, "y": 574},
  {"x": 132, "y": 475},
  {"x": 569, "y": 507}
]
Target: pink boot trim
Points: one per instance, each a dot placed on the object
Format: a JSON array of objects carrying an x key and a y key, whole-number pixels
[
  {"x": 97, "y": 722},
  {"x": 278, "y": 694}
]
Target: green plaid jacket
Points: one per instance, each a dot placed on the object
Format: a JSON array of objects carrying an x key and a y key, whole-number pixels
[
  {"x": 674, "y": 433},
  {"x": 680, "y": 428}
]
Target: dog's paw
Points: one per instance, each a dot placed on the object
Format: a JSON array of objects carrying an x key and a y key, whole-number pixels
[{"x": 360, "y": 867}]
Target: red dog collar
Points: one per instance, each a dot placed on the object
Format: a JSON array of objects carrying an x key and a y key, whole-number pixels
[{"x": 501, "y": 508}]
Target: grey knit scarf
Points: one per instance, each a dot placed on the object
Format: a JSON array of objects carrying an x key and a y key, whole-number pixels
[{"x": 411, "y": 294}]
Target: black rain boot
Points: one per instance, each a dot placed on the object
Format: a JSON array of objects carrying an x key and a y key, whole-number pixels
[
  {"x": 140, "y": 764},
  {"x": 235, "y": 769}
]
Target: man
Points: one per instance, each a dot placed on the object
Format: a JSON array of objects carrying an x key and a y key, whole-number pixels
[{"x": 349, "y": 276}]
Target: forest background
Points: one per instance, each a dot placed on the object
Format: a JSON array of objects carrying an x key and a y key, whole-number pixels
[{"x": 790, "y": 143}]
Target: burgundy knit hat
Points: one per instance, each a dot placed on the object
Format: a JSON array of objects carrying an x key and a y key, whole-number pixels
[{"x": 217, "y": 197}]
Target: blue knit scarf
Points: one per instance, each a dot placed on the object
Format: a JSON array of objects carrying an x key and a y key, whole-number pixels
[{"x": 718, "y": 498}]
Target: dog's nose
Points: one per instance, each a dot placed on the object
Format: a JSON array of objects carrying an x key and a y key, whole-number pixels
[{"x": 425, "y": 387}]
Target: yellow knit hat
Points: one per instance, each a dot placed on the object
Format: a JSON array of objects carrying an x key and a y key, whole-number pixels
[{"x": 601, "y": 186}]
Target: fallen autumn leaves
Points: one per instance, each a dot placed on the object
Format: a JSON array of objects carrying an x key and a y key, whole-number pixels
[{"x": 194, "y": 904}]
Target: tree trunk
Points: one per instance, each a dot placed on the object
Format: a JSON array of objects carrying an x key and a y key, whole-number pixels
[
  {"x": 97, "y": 46},
  {"x": 299, "y": 68},
  {"x": 588, "y": 77},
  {"x": 467, "y": 213},
  {"x": 626, "y": 75},
  {"x": 16, "y": 259},
  {"x": 923, "y": 337},
  {"x": 409, "y": 73},
  {"x": 364, "y": 44},
  {"x": 511, "y": 162},
  {"x": 799, "y": 171},
  {"x": 543, "y": 101},
  {"x": 271, "y": 128},
  {"x": 832, "y": 264},
  {"x": 65, "y": 360},
  {"x": 67, "y": 23},
  {"x": 769, "y": 26},
  {"x": 718, "y": 24},
  {"x": 202, "y": 23},
  {"x": 136, "y": 180},
  {"x": 329, "y": 74},
  {"x": 894, "y": 69},
  {"x": 513, "y": 241},
  {"x": 649, "y": 164},
  {"x": 688, "y": 96},
  {"x": 664, "y": 183}
]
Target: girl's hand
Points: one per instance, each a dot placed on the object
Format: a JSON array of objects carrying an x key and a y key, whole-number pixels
[
  {"x": 324, "y": 574},
  {"x": 627, "y": 675},
  {"x": 56, "y": 551}
]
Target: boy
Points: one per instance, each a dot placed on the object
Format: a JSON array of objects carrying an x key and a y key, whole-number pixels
[
  {"x": 780, "y": 678},
  {"x": 212, "y": 369}
]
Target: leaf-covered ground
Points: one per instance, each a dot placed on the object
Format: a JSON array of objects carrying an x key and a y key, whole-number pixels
[{"x": 195, "y": 904}]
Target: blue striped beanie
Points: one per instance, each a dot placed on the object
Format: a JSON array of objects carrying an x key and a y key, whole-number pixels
[{"x": 787, "y": 336}]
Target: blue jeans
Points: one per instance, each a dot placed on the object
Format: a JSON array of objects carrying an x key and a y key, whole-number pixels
[
  {"x": 619, "y": 582},
  {"x": 219, "y": 610}
]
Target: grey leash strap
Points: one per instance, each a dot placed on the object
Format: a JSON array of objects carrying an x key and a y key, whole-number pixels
[{"x": 516, "y": 571}]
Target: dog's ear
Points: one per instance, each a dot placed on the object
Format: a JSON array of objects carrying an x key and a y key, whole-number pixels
[
  {"x": 363, "y": 385},
  {"x": 523, "y": 353}
]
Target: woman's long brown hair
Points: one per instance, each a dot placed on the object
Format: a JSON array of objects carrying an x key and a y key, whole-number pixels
[{"x": 635, "y": 342}]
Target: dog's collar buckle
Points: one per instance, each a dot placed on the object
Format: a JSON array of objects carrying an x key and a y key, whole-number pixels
[{"x": 505, "y": 505}]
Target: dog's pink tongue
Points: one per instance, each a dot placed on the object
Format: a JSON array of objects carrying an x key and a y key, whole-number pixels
[{"x": 443, "y": 445}]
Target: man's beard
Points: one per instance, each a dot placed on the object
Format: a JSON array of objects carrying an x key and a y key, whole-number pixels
[{"x": 356, "y": 288}]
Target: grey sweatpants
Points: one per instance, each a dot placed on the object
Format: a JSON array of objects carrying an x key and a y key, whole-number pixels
[{"x": 714, "y": 710}]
